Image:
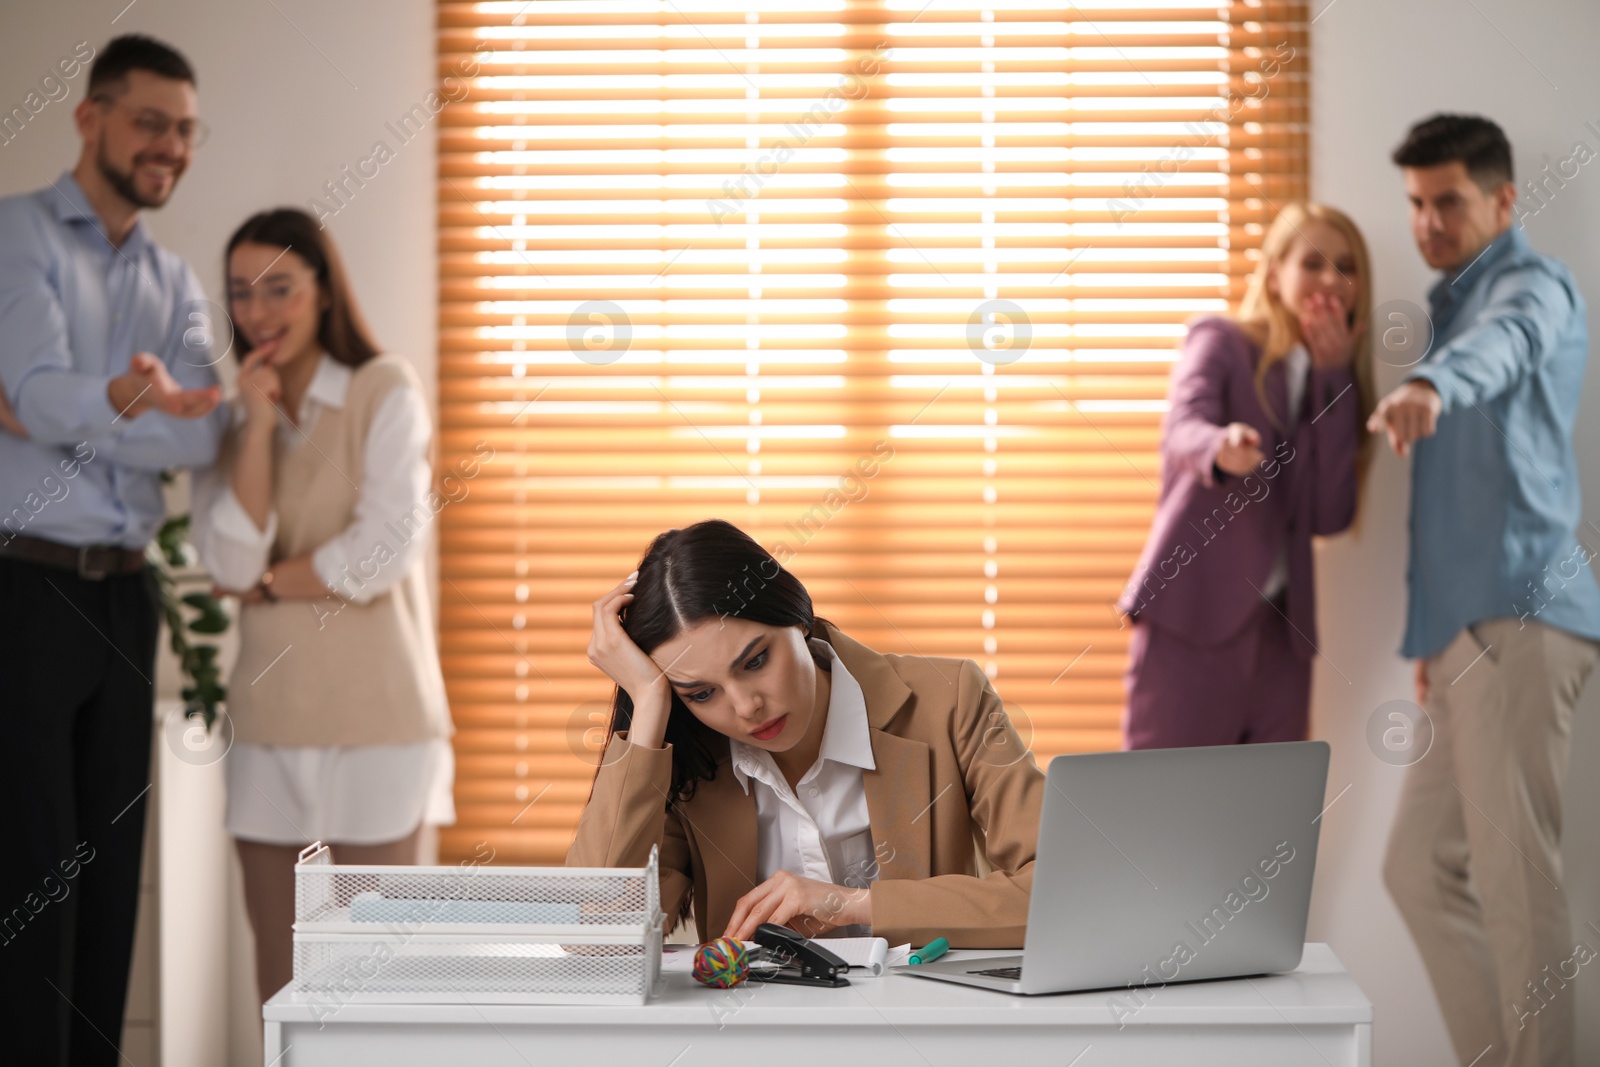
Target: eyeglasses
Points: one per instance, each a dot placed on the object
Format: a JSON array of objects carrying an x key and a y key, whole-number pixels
[
  {"x": 154, "y": 125},
  {"x": 273, "y": 296}
]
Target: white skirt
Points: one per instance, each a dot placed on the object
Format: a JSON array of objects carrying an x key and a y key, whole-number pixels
[{"x": 355, "y": 794}]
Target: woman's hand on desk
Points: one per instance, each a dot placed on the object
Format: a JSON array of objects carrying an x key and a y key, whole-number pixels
[
  {"x": 624, "y": 662},
  {"x": 805, "y": 905}
]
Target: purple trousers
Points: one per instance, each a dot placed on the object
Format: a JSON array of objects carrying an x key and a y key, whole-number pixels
[{"x": 1250, "y": 688}]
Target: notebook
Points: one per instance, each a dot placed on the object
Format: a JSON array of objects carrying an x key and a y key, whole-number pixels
[{"x": 871, "y": 954}]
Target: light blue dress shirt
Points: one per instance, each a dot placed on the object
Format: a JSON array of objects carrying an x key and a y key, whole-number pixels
[
  {"x": 1494, "y": 493},
  {"x": 74, "y": 310}
]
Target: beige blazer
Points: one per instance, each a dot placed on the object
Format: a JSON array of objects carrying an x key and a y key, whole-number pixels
[{"x": 949, "y": 764}]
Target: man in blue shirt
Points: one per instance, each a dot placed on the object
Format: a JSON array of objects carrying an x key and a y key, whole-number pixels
[
  {"x": 1503, "y": 615},
  {"x": 105, "y": 362}
]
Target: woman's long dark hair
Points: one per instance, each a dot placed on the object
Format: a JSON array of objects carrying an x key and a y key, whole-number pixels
[
  {"x": 706, "y": 571},
  {"x": 342, "y": 330}
]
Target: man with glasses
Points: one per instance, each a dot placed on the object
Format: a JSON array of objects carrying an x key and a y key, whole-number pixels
[
  {"x": 105, "y": 359},
  {"x": 1504, "y": 613}
]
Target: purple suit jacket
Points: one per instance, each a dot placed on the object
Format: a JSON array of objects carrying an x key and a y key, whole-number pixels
[{"x": 1216, "y": 535}]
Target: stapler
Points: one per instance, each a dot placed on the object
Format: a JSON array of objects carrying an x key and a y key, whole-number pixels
[{"x": 786, "y": 956}]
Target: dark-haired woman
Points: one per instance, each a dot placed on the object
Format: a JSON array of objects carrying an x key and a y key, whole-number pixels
[
  {"x": 790, "y": 774},
  {"x": 317, "y": 514}
]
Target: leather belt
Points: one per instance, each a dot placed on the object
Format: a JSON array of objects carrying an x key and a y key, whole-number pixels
[{"x": 93, "y": 562}]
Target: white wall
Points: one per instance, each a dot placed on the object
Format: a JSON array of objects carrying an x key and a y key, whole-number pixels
[
  {"x": 1377, "y": 67},
  {"x": 293, "y": 90}
]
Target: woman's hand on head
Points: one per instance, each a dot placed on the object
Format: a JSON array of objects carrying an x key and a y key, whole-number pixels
[
  {"x": 805, "y": 905},
  {"x": 624, "y": 662},
  {"x": 1329, "y": 337}
]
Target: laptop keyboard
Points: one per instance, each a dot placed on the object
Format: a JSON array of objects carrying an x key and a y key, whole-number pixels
[{"x": 1014, "y": 973}]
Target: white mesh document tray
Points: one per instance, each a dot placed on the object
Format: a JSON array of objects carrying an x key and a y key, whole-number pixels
[{"x": 477, "y": 934}]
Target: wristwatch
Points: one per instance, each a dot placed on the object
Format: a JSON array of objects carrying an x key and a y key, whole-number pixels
[{"x": 266, "y": 586}]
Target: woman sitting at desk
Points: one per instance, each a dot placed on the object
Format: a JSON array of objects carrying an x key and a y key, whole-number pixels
[{"x": 792, "y": 775}]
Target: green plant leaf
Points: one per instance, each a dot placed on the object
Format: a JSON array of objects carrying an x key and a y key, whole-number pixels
[{"x": 197, "y": 660}]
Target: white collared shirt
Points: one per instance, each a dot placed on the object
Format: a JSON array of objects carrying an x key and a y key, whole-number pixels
[
  {"x": 1297, "y": 368},
  {"x": 395, "y": 478},
  {"x": 822, "y": 830}
]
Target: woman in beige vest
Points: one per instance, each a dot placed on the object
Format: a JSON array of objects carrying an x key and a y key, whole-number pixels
[
  {"x": 791, "y": 774},
  {"x": 317, "y": 514}
]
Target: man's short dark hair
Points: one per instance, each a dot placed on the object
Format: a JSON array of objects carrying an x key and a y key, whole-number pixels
[
  {"x": 135, "y": 51},
  {"x": 1472, "y": 139}
]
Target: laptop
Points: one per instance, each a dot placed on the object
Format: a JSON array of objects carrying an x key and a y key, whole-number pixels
[{"x": 1165, "y": 865}]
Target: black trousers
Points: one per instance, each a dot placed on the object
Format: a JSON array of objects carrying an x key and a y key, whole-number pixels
[{"x": 77, "y": 660}]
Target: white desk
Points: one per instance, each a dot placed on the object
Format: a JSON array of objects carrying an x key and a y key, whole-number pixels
[{"x": 1314, "y": 1016}]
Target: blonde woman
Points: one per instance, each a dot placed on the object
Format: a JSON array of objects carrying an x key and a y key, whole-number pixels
[
  {"x": 316, "y": 514},
  {"x": 1262, "y": 448}
]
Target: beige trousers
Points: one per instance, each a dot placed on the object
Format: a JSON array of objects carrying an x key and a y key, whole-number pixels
[{"x": 1474, "y": 859}]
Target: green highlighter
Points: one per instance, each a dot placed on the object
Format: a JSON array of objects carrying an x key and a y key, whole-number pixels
[{"x": 931, "y": 951}]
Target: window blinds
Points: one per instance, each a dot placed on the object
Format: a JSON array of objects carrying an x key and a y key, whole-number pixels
[{"x": 894, "y": 286}]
